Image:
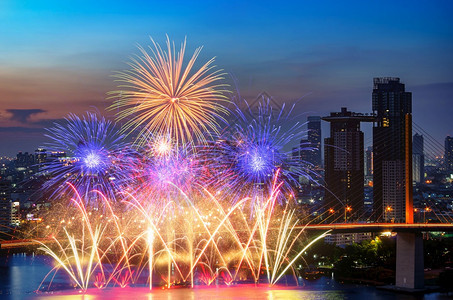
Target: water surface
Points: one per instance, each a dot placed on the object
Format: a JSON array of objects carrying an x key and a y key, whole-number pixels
[{"x": 21, "y": 275}]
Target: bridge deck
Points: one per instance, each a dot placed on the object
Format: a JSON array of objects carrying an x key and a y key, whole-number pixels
[
  {"x": 379, "y": 227},
  {"x": 336, "y": 228}
]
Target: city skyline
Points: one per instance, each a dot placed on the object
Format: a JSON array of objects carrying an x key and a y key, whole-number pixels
[
  {"x": 58, "y": 59},
  {"x": 230, "y": 149}
]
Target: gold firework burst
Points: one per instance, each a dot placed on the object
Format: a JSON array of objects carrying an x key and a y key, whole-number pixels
[{"x": 162, "y": 96}]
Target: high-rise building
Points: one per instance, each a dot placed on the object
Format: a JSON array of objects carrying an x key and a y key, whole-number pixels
[
  {"x": 418, "y": 159},
  {"x": 392, "y": 133},
  {"x": 24, "y": 164},
  {"x": 369, "y": 162},
  {"x": 5, "y": 205},
  {"x": 369, "y": 166},
  {"x": 40, "y": 158},
  {"x": 449, "y": 154},
  {"x": 344, "y": 162},
  {"x": 15, "y": 213},
  {"x": 24, "y": 160},
  {"x": 311, "y": 147}
]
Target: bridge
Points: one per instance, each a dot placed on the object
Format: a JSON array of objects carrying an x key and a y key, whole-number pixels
[
  {"x": 11, "y": 244},
  {"x": 379, "y": 227},
  {"x": 409, "y": 246},
  {"x": 409, "y": 241}
]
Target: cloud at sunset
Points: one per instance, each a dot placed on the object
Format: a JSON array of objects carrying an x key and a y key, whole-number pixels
[{"x": 23, "y": 115}]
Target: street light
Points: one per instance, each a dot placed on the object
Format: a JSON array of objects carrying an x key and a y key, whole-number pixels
[
  {"x": 388, "y": 209},
  {"x": 331, "y": 212},
  {"x": 427, "y": 209},
  {"x": 346, "y": 209}
]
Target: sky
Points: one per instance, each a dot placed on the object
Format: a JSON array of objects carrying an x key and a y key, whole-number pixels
[{"x": 58, "y": 57}]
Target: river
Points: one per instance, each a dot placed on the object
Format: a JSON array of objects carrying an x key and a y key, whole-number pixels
[{"x": 21, "y": 275}]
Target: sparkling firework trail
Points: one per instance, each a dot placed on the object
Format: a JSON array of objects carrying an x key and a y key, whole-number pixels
[
  {"x": 162, "y": 96},
  {"x": 201, "y": 240}
]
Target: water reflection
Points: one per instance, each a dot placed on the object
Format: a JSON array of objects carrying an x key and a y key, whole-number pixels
[{"x": 21, "y": 275}]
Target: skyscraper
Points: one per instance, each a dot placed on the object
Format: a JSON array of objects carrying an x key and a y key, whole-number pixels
[
  {"x": 5, "y": 205},
  {"x": 344, "y": 162},
  {"x": 418, "y": 159},
  {"x": 449, "y": 154},
  {"x": 313, "y": 155},
  {"x": 369, "y": 162},
  {"x": 392, "y": 136}
]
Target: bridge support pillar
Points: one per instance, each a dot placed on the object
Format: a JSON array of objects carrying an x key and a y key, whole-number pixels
[{"x": 409, "y": 261}]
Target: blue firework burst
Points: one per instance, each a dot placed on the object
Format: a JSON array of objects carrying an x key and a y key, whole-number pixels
[
  {"x": 95, "y": 155},
  {"x": 252, "y": 150}
]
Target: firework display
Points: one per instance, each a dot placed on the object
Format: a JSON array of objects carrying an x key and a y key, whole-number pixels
[
  {"x": 187, "y": 202},
  {"x": 87, "y": 152},
  {"x": 193, "y": 242},
  {"x": 249, "y": 152},
  {"x": 162, "y": 171},
  {"x": 162, "y": 96}
]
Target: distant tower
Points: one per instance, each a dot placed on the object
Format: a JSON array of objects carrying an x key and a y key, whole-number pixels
[
  {"x": 369, "y": 161},
  {"x": 344, "y": 161},
  {"x": 392, "y": 133},
  {"x": 418, "y": 159},
  {"x": 304, "y": 154},
  {"x": 314, "y": 140},
  {"x": 449, "y": 154}
]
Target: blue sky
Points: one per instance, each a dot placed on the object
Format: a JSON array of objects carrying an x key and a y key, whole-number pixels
[{"x": 57, "y": 57}]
